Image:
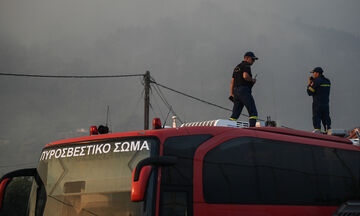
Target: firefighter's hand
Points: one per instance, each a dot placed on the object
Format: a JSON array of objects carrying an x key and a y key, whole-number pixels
[
  {"x": 309, "y": 80},
  {"x": 254, "y": 81},
  {"x": 231, "y": 98}
]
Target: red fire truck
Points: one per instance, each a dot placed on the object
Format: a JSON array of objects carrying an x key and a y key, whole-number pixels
[{"x": 196, "y": 169}]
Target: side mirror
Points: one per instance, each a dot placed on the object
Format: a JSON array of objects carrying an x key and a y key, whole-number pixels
[
  {"x": 138, "y": 187},
  {"x": 3, "y": 185},
  {"x": 142, "y": 173},
  {"x": 9, "y": 177}
]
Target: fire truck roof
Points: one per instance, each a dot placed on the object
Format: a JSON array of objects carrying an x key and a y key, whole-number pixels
[{"x": 193, "y": 130}]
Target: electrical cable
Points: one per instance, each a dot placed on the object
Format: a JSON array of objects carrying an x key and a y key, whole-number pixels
[
  {"x": 156, "y": 103},
  {"x": 195, "y": 98},
  {"x": 150, "y": 105},
  {"x": 152, "y": 80},
  {"x": 160, "y": 93},
  {"x": 117, "y": 76},
  {"x": 167, "y": 116},
  {"x": 108, "y": 121},
  {"x": 70, "y": 76},
  {"x": 167, "y": 104},
  {"x": 152, "y": 109},
  {"x": 190, "y": 96},
  {"x": 151, "y": 95},
  {"x": 163, "y": 98}
]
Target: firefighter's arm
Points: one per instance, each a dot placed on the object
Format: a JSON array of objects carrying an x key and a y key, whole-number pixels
[
  {"x": 310, "y": 80},
  {"x": 248, "y": 78},
  {"x": 310, "y": 90},
  {"x": 312, "y": 86}
]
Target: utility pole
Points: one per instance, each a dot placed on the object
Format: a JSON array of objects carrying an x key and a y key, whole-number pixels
[{"x": 146, "y": 99}]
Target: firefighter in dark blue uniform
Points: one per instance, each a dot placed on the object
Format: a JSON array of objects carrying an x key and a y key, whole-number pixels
[
  {"x": 241, "y": 85},
  {"x": 319, "y": 89}
]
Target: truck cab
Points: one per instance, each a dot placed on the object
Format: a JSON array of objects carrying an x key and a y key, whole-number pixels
[{"x": 197, "y": 169}]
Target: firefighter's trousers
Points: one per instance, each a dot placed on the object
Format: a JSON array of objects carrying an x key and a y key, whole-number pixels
[
  {"x": 243, "y": 97},
  {"x": 321, "y": 114}
]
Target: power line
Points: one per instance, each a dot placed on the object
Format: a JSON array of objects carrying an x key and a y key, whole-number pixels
[
  {"x": 201, "y": 100},
  {"x": 167, "y": 104},
  {"x": 156, "y": 103},
  {"x": 167, "y": 116},
  {"x": 161, "y": 95},
  {"x": 163, "y": 98},
  {"x": 195, "y": 98},
  {"x": 71, "y": 76}
]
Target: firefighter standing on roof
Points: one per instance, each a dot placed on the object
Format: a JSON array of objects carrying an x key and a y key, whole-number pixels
[
  {"x": 241, "y": 85},
  {"x": 319, "y": 89}
]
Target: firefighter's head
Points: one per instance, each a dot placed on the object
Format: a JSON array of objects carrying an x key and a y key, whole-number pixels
[
  {"x": 250, "y": 57},
  {"x": 318, "y": 71}
]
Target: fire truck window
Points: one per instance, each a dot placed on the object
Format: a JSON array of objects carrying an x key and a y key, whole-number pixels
[
  {"x": 183, "y": 147},
  {"x": 351, "y": 162},
  {"x": 285, "y": 172},
  {"x": 259, "y": 171},
  {"x": 177, "y": 180},
  {"x": 338, "y": 174},
  {"x": 229, "y": 174},
  {"x": 98, "y": 181}
]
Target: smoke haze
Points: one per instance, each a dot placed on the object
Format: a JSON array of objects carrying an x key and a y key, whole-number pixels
[{"x": 190, "y": 45}]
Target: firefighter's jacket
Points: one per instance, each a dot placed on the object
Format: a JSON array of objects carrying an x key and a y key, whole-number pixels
[{"x": 319, "y": 88}]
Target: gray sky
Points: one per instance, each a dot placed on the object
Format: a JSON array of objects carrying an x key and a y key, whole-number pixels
[{"x": 190, "y": 45}]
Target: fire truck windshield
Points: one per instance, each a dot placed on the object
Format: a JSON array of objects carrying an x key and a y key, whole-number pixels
[{"x": 93, "y": 178}]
